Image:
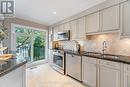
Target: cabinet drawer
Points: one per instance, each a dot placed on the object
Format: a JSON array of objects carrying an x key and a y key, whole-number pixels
[
  {"x": 127, "y": 67},
  {"x": 110, "y": 64},
  {"x": 89, "y": 59}
]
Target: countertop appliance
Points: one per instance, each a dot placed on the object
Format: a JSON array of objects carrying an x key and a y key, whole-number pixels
[
  {"x": 59, "y": 61},
  {"x": 65, "y": 35}
]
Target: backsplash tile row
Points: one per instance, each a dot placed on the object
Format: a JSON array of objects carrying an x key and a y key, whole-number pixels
[{"x": 115, "y": 45}]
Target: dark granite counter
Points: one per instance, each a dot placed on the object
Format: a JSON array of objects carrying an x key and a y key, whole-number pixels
[
  {"x": 10, "y": 65},
  {"x": 110, "y": 57}
]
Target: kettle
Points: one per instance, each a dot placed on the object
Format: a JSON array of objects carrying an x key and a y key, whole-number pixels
[{"x": 56, "y": 45}]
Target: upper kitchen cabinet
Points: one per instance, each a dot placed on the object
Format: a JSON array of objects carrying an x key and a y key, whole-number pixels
[
  {"x": 92, "y": 23},
  {"x": 55, "y": 31},
  {"x": 125, "y": 19},
  {"x": 61, "y": 28},
  {"x": 81, "y": 28},
  {"x": 67, "y": 26},
  {"x": 109, "y": 19},
  {"x": 73, "y": 29}
]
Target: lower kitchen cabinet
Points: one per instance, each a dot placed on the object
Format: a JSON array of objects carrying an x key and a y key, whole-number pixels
[
  {"x": 101, "y": 73},
  {"x": 50, "y": 59},
  {"x": 16, "y": 78},
  {"x": 110, "y": 74},
  {"x": 127, "y": 76},
  {"x": 89, "y": 71},
  {"x": 73, "y": 66}
]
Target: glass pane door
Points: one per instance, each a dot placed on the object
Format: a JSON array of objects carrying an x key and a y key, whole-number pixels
[{"x": 30, "y": 43}]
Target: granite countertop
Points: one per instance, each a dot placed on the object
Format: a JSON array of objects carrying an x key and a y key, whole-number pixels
[
  {"x": 10, "y": 65},
  {"x": 116, "y": 58}
]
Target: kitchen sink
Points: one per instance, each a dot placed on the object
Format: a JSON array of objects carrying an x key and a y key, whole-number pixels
[{"x": 110, "y": 56}]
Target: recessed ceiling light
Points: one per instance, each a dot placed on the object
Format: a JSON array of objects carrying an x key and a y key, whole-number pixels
[{"x": 54, "y": 12}]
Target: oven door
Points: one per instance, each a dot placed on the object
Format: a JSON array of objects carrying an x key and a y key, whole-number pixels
[{"x": 58, "y": 61}]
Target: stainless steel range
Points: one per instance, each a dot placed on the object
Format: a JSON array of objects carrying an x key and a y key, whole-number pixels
[{"x": 59, "y": 61}]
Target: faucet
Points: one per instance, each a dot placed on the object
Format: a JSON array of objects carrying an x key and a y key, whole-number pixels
[{"x": 104, "y": 44}]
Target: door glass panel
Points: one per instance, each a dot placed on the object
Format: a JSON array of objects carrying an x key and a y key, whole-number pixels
[{"x": 30, "y": 43}]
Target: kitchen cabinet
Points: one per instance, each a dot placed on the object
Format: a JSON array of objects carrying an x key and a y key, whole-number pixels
[
  {"x": 73, "y": 66},
  {"x": 67, "y": 26},
  {"x": 73, "y": 29},
  {"x": 89, "y": 71},
  {"x": 127, "y": 75},
  {"x": 16, "y": 78},
  {"x": 110, "y": 74},
  {"x": 55, "y": 31},
  {"x": 50, "y": 59},
  {"x": 92, "y": 23},
  {"x": 61, "y": 28},
  {"x": 77, "y": 29},
  {"x": 81, "y": 31},
  {"x": 110, "y": 19},
  {"x": 125, "y": 19}
]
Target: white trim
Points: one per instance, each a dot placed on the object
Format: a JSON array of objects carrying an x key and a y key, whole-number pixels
[{"x": 33, "y": 28}]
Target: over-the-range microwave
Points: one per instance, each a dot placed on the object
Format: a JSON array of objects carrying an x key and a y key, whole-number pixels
[{"x": 62, "y": 36}]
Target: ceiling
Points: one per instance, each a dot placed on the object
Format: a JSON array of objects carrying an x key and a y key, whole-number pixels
[{"x": 51, "y": 11}]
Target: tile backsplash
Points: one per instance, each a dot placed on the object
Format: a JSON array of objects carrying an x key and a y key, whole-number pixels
[
  {"x": 94, "y": 43},
  {"x": 115, "y": 45}
]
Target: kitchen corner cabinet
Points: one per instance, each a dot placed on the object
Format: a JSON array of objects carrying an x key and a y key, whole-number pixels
[
  {"x": 127, "y": 75},
  {"x": 89, "y": 71},
  {"x": 81, "y": 31},
  {"x": 92, "y": 23},
  {"x": 73, "y": 66},
  {"x": 109, "y": 19},
  {"x": 110, "y": 74},
  {"x": 125, "y": 19}
]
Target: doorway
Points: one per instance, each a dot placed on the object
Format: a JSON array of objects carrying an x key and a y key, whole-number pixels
[{"x": 29, "y": 42}]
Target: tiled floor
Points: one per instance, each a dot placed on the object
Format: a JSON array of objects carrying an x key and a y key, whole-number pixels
[{"x": 45, "y": 76}]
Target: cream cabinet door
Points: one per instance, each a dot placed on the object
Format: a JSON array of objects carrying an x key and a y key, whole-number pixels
[
  {"x": 126, "y": 75},
  {"x": 92, "y": 23},
  {"x": 50, "y": 55},
  {"x": 125, "y": 19},
  {"x": 89, "y": 72},
  {"x": 109, "y": 77},
  {"x": 73, "y": 30},
  {"x": 67, "y": 26},
  {"x": 55, "y": 31},
  {"x": 61, "y": 28},
  {"x": 127, "y": 79},
  {"x": 110, "y": 19},
  {"x": 81, "y": 28}
]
